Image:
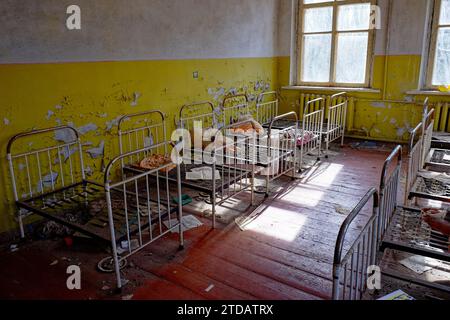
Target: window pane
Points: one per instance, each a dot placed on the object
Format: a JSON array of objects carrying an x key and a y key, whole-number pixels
[
  {"x": 354, "y": 17},
  {"x": 318, "y": 19},
  {"x": 351, "y": 57},
  {"x": 316, "y": 58},
  {"x": 441, "y": 74},
  {"x": 445, "y": 12}
]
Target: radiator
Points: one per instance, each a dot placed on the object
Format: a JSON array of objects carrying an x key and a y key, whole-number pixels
[
  {"x": 442, "y": 115},
  {"x": 305, "y": 98}
]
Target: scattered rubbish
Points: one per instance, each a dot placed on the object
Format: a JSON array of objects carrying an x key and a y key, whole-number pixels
[
  {"x": 107, "y": 264},
  {"x": 54, "y": 263},
  {"x": 209, "y": 288},
  {"x": 187, "y": 223},
  {"x": 419, "y": 264},
  {"x": 105, "y": 288},
  {"x": 397, "y": 295},
  {"x": 14, "y": 247},
  {"x": 185, "y": 199},
  {"x": 342, "y": 210},
  {"x": 371, "y": 145},
  {"x": 127, "y": 297},
  {"x": 207, "y": 213},
  {"x": 134, "y": 244}
]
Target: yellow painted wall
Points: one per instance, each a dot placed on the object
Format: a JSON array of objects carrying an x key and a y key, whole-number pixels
[
  {"x": 43, "y": 95},
  {"x": 379, "y": 119}
]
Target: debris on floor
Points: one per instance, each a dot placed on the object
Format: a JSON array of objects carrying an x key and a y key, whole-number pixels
[
  {"x": 368, "y": 145},
  {"x": 342, "y": 210},
  {"x": 187, "y": 222}
]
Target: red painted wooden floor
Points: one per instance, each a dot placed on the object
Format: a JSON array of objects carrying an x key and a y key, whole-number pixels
[{"x": 284, "y": 252}]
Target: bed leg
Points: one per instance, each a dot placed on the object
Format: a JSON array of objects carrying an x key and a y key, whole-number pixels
[{"x": 22, "y": 231}]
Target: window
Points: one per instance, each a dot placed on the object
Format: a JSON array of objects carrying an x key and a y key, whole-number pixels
[
  {"x": 439, "y": 63},
  {"x": 335, "y": 42}
]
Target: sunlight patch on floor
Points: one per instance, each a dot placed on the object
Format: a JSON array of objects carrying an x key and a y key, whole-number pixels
[{"x": 277, "y": 223}]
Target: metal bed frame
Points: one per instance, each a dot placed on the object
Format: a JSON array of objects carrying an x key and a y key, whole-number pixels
[
  {"x": 311, "y": 123},
  {"x": 336, "y": 120},
  {"x": 236, "y": 169},
  {"x": 401, "y": 228},
  {"x": 333, "y": 127},
  {"x": 121, "y": 209},
  {"x": 351, "y": 268},
  {"x": 421, "y": 183},
  {"x": 434, "y": 158},
  {"x": 233, "y": 106},
  {"x": 278, "y": 159},
  {"x": 266, "y": 111}
]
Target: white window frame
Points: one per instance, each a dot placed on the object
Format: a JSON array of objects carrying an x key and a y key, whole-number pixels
[
  {"x": 435, "y": 25},
  {"x": 332, "y": 83}
]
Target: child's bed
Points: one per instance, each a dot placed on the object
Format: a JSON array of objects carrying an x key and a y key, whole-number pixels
[
  {"x": 419, "y": 182},
  {"x": 434, "y": 159},
  {"x": 355, "y": 254},
  {"x": 334, "y": 126},
  {"x": 309, "y": 129},
  {"x": 219, "y": 170},
  {"x": 49, "y": 180},
  {"x": 402, "y": 228}
]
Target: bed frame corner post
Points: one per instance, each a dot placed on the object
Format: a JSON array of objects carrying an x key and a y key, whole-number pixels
[{"x": 113, "y": 235}]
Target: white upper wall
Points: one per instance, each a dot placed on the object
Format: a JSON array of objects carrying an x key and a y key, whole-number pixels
[
  {"x": 35, "y": 31},
  {"x": 406, "y": 31}
]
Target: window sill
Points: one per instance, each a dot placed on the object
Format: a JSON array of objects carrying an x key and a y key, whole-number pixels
[
  {"x": 331, "y": 89},
  {"x": 427, "y": 93}
]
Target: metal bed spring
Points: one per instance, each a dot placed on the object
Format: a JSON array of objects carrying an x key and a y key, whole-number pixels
[
  {"x": 351, "y": 271},
  {"x": 147, "y": 204},
  {"x": 312, "y": 127},
  {"x": 336, "y": 120},
  {"x": 277, "y": 150},
  {"x": 233, "y": 107},
  {"x": 402, "y": 228}
]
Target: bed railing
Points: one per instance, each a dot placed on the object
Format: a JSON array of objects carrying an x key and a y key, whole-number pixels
[
  {"x": 427, "y": 135},
  {"x": 281, "y": 148},
  {"x": 351, "y": 267},
  {"x": 234, "y": 107},
  {"x": 147, "y": 129},
  {"x": 232, "y": 155},
  {"x": 414, "y": 159},
  {"x": 145, "y": 200},
  {"x": 266, "y": 109},
  {"x": 337, "y": 116},
  {"x": 390, "y": 178},
  {"x": 36, "y": 170},
  {"x": 312, "y": 124},
  {"x": 202, "y": 112}
]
